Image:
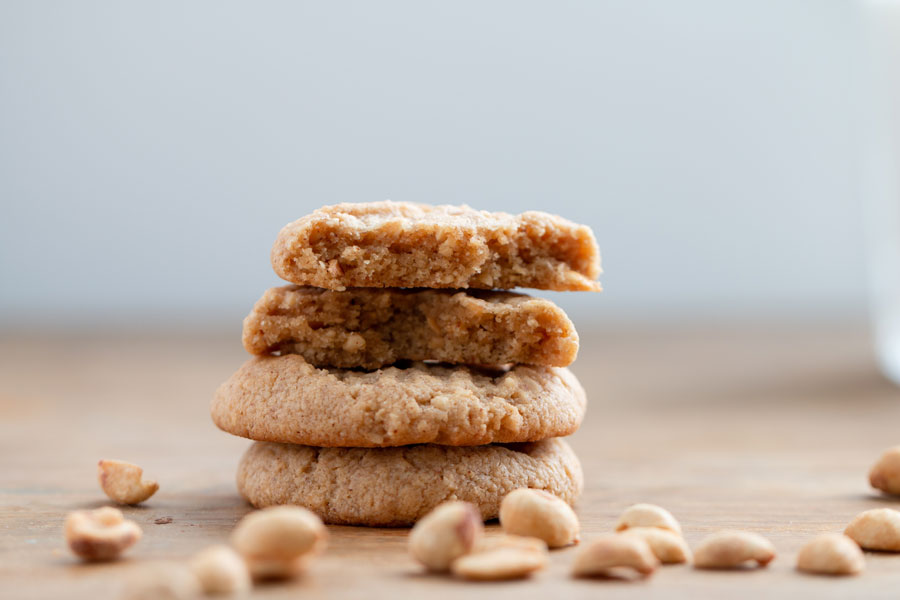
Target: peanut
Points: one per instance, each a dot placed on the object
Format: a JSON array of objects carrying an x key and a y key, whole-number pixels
[
  {"x": 885, "y": 474},
  {"x": 510, "y": 541},
  {"x": 101, "y": 534},
  {"x": 831, "y": 554},
  {"x": 668, "y": 547},
  {"x": 609, "y": 554},
  {"x": 876, "y": 529},
  {"x": 121, "y": 482},
  {"x": 647, "y": 515},
  {"x": 221, "y": 570},
  {"x": 731, "y": 549},
  {"x": 446, "y": 533},
  {"x": 508, "y": 557},
  {"x": 539, "y": 514},
  {"x": 276, "y": 542}
]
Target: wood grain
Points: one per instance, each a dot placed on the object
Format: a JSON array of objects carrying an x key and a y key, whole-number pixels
[{"x": 760, "y": 428}]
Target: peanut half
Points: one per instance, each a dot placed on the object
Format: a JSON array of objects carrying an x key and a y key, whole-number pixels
[
  {"x": 669, "y": 547},
  {"x": 647, "y": 515},
  {"x": 876, "y": 529},
  {"x": 885, "y": 474},
  {"x": 449, "y": 531},
  {"x": 276, "y": 542},
  {"x": 221, "y": 571},
  {"x": 508, "y": 557},
  {"x": 831, "y": 554},
  {"x": 732, "y": 549},
  {"x": 611, "y": 554},
  {"x": 121, "y": 482},
  {"x": 101, "y": 534},
  {"x": 539, "y": 514}
]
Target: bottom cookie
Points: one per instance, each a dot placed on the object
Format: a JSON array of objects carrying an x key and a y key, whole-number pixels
[{"x": 397, "y": 486}]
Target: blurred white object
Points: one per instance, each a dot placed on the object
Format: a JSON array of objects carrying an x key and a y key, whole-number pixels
[{"x": 882, "y": 178}]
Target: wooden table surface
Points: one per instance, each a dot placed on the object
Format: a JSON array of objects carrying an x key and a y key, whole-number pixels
[{"x": 757, "y": 428}]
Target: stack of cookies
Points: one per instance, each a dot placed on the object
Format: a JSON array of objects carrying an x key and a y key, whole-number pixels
[{"x": 393, "y": 375}]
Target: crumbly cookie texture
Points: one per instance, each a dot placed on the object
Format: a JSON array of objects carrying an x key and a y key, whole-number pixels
[
  {"x": 370, "y": 327},
  {"x": 398, "y": 486},
  {"x": 285, "y": 399},
  {"x": 401, "y": 244}
]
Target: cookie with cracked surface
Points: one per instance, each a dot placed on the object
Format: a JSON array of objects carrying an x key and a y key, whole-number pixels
[
  {"x": 397, "y": 486},
  {"x": 285, "y": 399},
  {"x": 373, "y": 327},
  {"x": 403, "y": 244}
]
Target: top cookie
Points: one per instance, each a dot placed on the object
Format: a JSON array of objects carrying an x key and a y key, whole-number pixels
[{"x": 401, "y": 244}]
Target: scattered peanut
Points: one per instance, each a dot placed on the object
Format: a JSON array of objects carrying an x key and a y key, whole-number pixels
[
  {"x": 446, "y": 533},
  {"x": 122, "y": 482},
  {"x": 221, "y": 570},
  {"x": 831, "y": 554},
  {"x": 731, "y": 549},
  {"x": 876, "y": 529},
  {"x": 608, "y": 555},
  {"x": 668, "y": 547},
  {"x": 885, "y": 474},
  {"x": 101, "y": 534},
  {"x": 507, "y": 557},
  {"x": 647, "y": 515},
  {"x": 161, "y": 581},
  {"x": 276, "y": 541},
  {"x": 510, "y": 541},
  {"x": 539, "y": 514}
]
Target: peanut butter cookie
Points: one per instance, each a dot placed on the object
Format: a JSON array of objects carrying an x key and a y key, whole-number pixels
[
  {"x": 397, "y": 486},
  {"x": 401, "y": 244},
  {"x": 285, "y": 399},
  {"x": 370, "y": 328}
]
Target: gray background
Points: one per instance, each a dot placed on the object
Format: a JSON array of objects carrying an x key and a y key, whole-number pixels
[{"x": 150, "y": 152}]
